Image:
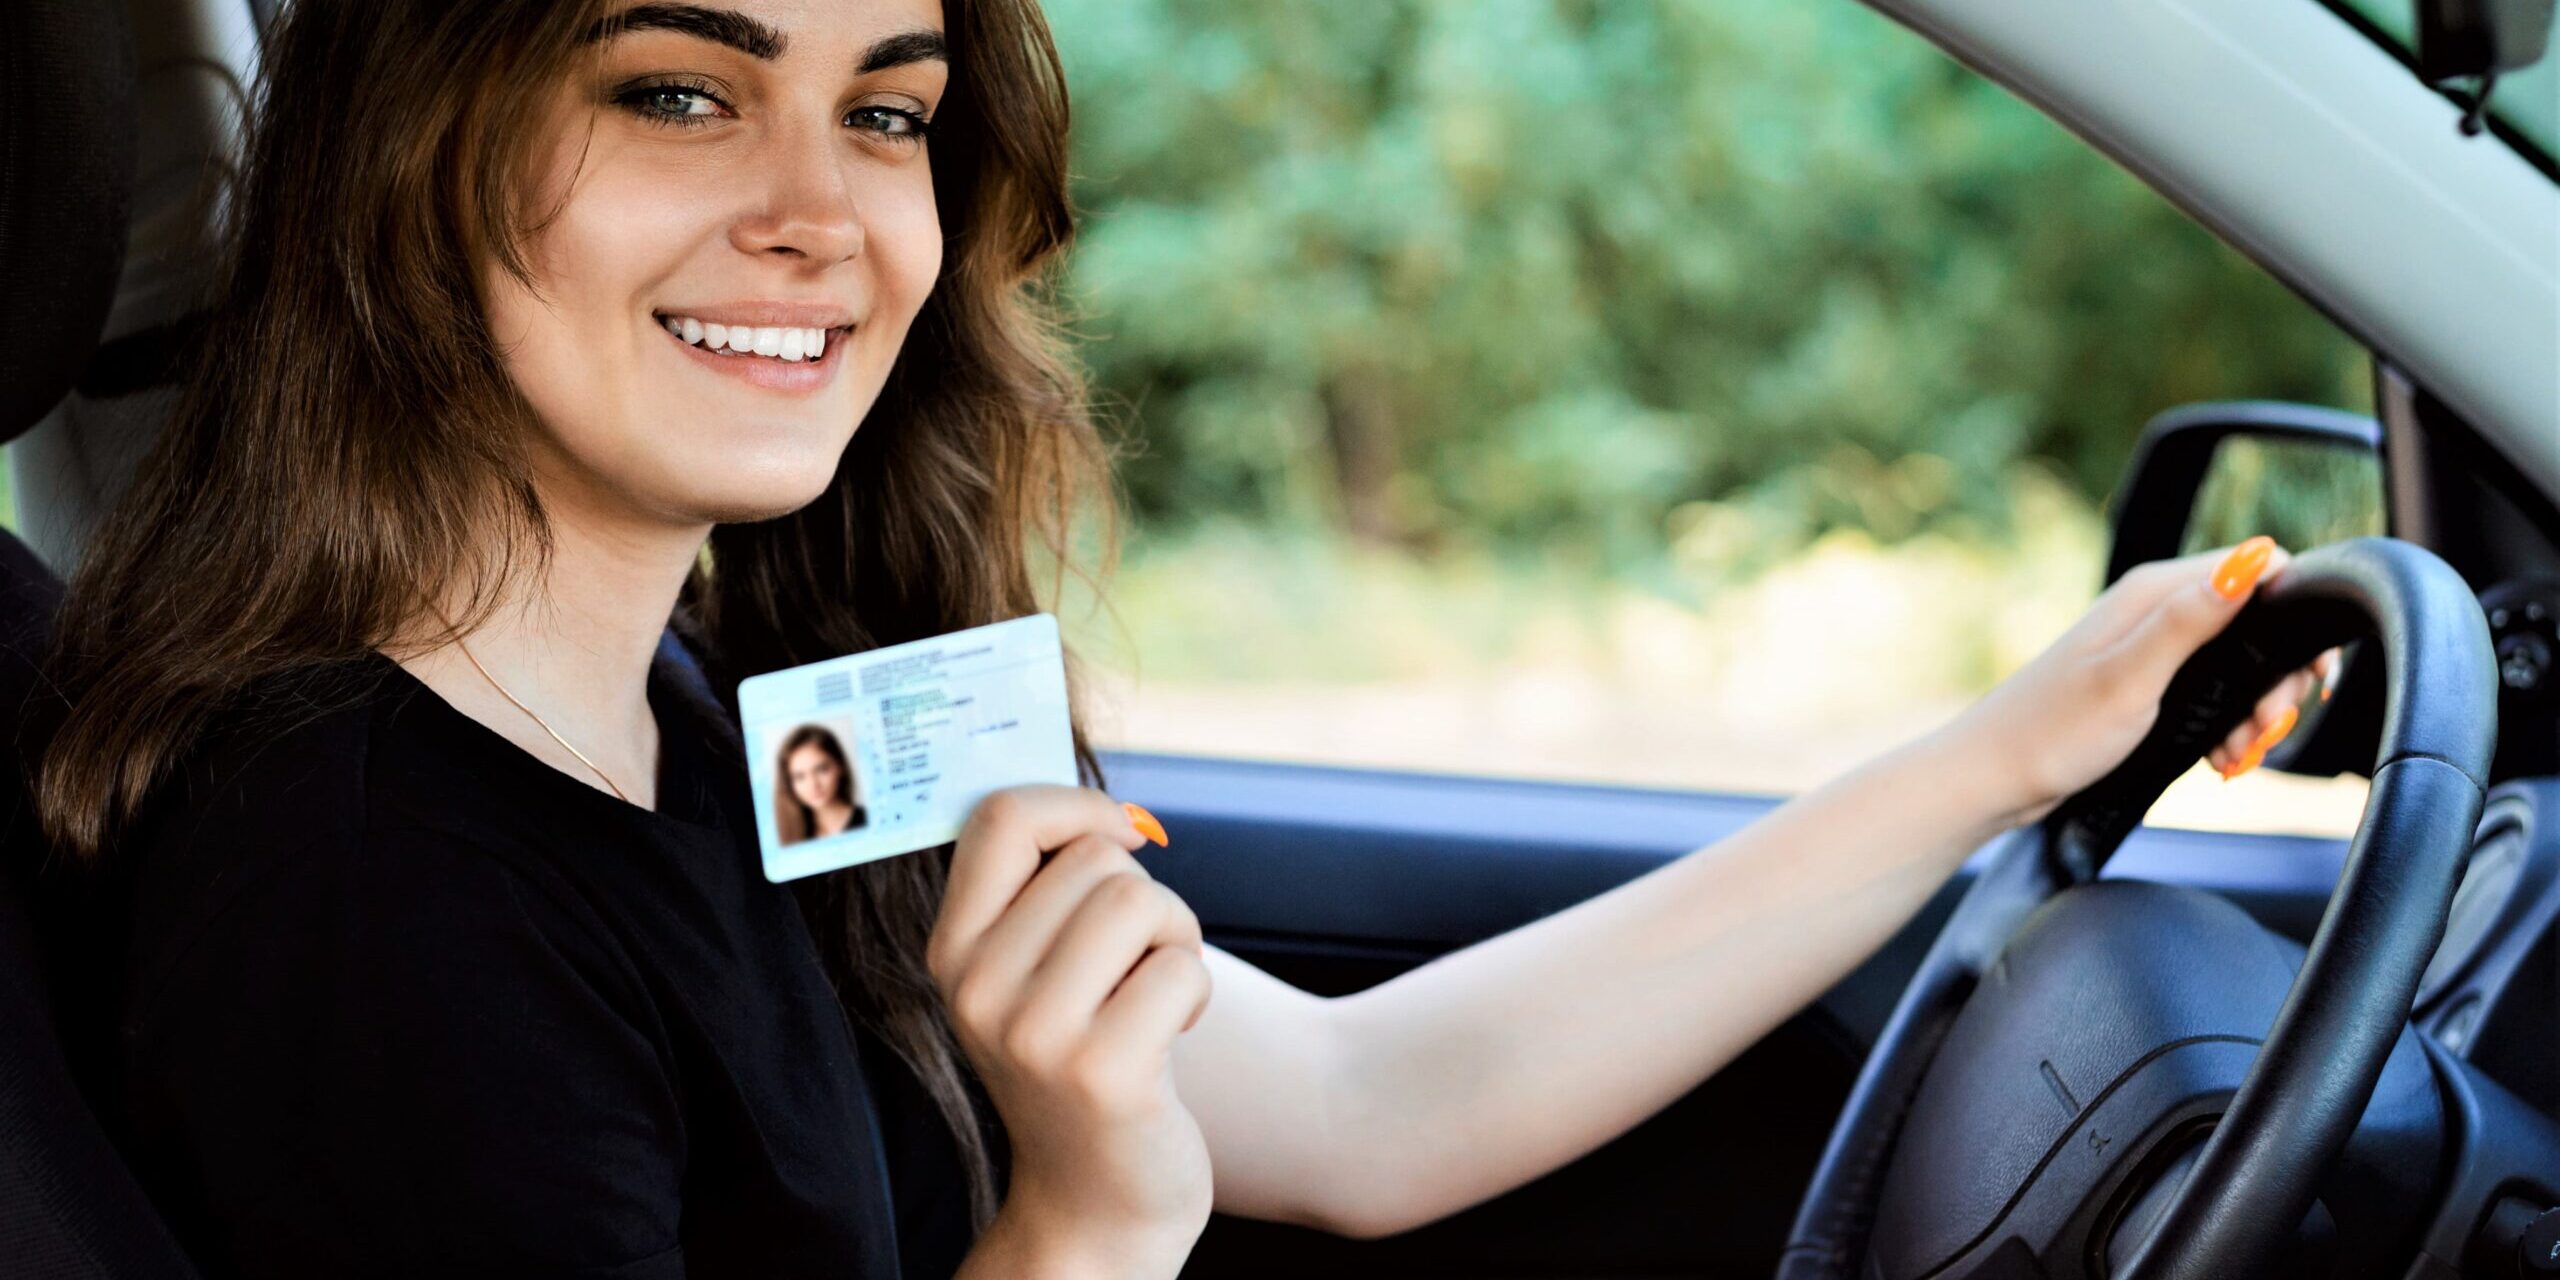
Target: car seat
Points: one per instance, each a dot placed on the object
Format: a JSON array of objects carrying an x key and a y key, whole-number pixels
[
  {"x": 102, "y": 224},
  {"x": 69, "y": 1208}
]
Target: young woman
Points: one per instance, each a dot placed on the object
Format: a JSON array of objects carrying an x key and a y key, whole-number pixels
[
  {"x": 448, "y": 951},
  {"x": 813, "y": 787}
]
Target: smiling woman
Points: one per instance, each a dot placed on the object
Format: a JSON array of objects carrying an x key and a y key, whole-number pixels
[
  {"x": 524, "y": 305},
  {"x": 600, "y": 333}
]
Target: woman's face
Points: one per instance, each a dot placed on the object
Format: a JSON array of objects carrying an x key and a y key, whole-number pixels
[
  {"x": 753, "y": 171},
  {"x": 814, "y": 775}
]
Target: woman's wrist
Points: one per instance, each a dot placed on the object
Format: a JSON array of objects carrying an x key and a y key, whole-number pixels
[
  {"x": 1035, "y": 1238},
  {"x": 1982, "y": 775}
]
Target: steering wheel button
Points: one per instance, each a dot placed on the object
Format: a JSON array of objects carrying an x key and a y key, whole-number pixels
[{"x": 2522, "y": 660}]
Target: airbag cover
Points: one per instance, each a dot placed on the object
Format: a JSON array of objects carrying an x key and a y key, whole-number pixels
[{"x": 2096, "y": 983}]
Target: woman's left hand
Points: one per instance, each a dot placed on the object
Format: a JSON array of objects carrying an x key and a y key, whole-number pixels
[{"x": 2066, "y": 718}]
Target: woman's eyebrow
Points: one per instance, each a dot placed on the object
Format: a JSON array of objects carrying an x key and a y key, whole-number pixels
[
  {"x": 720, "y": 26},
  {"x": 903, "y": 48},
  {"x": 756, "y": 40}
]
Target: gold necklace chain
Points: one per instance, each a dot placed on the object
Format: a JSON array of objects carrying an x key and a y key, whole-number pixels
[{"x": 537, "y": 719}]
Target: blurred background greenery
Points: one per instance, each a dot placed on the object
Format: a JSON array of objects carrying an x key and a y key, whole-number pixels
[{"x": 1750, "y": 368}]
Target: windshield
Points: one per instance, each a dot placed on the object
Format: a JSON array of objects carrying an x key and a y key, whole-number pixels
[{"x": 2527, "y": 102}]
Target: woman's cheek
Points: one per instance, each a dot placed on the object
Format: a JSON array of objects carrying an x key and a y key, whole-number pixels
[{"x": 911, "y": 232}]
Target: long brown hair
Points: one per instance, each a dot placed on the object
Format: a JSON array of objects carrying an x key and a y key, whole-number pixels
[{"x": 346, "y": 453}]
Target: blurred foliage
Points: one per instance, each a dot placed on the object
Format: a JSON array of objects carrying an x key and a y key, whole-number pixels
[
  {"x": 1608, "y": 278},
  {"x": 1843, "y": 630}
]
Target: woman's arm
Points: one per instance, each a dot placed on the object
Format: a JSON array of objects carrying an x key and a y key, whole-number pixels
[
  {"x": 1473, "y": 1074},
  {"x": 1478, "y": 1072}
]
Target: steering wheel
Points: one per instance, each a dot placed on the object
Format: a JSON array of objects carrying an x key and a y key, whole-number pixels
[{"x": 2039, "y": 1102}]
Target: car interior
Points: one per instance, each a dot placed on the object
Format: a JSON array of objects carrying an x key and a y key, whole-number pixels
[{"x": 2104, "y": 1049}]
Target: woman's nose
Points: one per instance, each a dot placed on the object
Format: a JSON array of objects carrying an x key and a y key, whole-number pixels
[{"x": 809, "y": 210}]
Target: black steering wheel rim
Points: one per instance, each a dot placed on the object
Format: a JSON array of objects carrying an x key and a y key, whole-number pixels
[{"x": 2319, "y": 1061}]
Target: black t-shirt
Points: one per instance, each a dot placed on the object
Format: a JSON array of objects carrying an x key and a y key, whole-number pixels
[{"x": 403, "y": 1000}]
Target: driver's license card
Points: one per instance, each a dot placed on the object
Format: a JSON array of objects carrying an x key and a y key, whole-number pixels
[{"x": 876, "y": 754}]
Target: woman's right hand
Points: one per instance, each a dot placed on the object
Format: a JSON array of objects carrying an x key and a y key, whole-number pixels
[{"x": 1068, "y": 971}]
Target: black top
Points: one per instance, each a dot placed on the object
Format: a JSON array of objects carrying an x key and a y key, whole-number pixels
[{"x": 404, "y": 1000}]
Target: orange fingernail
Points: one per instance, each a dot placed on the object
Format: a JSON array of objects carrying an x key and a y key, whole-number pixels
[
  {"x": 2324, "y": 688},
  {"x": 2258, "y": 750},
  {"x": 2275, "y": 732},
  {"x": 1145, "y": 822},
  {"x": 2239, "y": 571}
]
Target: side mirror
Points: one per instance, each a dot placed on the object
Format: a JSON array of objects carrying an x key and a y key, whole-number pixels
[{"x": 2210, "y": 475}]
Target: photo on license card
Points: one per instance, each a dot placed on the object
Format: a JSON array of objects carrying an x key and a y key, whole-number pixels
[
  {"x": 881, "y": 753},
  {"x": 817, "y": 791}
]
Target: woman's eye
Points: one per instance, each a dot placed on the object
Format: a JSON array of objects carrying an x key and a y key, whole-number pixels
[
  {"x": 672, "y": 103},
  {"x": 889, "y": 121},
  {"x": 688, "y": 104}
]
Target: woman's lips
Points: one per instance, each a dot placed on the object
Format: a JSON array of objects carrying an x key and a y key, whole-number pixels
[{"x": 766, "y": 371}]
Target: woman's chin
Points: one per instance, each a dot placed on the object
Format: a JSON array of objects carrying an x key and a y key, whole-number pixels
[
  {"x": 748, "y": 510},
  {"x": 764, "y": 495}
]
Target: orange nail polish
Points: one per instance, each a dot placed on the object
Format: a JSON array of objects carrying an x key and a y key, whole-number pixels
[
  {"x": 2239, "y": 571},
  {"x": 2258, "y": 750},
  {"x": 1145, "y": 822},
  {"x": 2275, "y": 732}
]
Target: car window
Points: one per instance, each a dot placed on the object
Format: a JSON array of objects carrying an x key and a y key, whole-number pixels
[
  {"x": 1696, "y": 395},
  {"x": 1706, "y": 396}
]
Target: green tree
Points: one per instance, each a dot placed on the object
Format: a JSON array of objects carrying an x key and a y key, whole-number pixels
[{"x": 1539, "y": 271}]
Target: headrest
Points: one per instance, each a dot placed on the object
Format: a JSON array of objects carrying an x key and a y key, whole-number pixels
[{"x": 66, "y": 177}]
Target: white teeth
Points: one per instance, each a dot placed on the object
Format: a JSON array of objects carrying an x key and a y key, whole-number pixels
[{"x": 773, "y": 342}]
